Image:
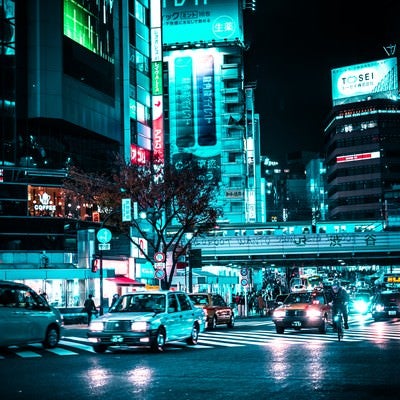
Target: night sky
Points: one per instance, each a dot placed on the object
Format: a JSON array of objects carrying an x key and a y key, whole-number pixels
[{"x": 293, "y": 47}]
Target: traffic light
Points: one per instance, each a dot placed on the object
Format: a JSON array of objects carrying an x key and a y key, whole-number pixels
[
  {"x": 95, "y": 264},
  {"x": 195, "y": 258}
]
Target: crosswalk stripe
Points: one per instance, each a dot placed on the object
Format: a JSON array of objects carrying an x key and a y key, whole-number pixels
[
  {"x": 263, "y": 335},
  {"x": 27, "y": 354},
  {"x": 224, "y": 344},
  {"x": 62, "y": 352},
  {"x": 78, "y": 346}
]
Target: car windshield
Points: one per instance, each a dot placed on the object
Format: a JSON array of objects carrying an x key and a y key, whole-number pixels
[
  {"x": 362, "y": 296},
  {"x": 388, "y": 298},
  {"x": 297, "y": 298},
  {"x": 140, "y": 302},
  {"x": 199, "y": 298}
]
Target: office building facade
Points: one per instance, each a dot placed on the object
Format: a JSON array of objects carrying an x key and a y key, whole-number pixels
[
  {"x": 83, "y": 80},
  {"x": 362, "y": 140}
]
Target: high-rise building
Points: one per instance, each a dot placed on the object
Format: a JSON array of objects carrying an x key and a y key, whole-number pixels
[
  {"x": 362, "y": 140},
  {"x": 210, "y": 109},
  {"x": 75, "y": 89},
  {"x": 81, "y": 80}
]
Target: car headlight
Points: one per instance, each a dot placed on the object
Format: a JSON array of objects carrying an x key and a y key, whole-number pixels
[
  {"x": 279, "y": 313},
  {"x": 140, "y": 326},
  {"x": 379, "y": 307},
  {"x": 96, "y": 326},
  {"x": 313, "y": 313},
  {"x": 360, "y": 306}
]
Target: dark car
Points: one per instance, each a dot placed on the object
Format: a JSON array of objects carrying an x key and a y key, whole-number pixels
[
  {"x": 303, "y": 309},
  {"x": 385, "y": 305},
  {"x": 215, "y": 308}
]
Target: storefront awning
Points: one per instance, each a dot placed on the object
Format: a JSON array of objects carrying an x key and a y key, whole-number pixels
[{"x": 125, "y": 281}]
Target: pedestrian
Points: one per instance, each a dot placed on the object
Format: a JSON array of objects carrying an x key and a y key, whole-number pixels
[
  {"x": 261, "y": 304},
  {"x": 242, "y": 305},
  {"x": 90, "y": 307}
]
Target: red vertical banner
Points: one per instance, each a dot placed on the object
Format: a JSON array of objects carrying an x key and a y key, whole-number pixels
[{"x": 158, "y": 130}]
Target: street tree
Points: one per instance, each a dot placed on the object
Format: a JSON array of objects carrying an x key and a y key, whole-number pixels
[{"x": 175, "y": 204}]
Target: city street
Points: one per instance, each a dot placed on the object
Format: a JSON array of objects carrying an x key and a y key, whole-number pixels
[{"x": 250, "y": 361}]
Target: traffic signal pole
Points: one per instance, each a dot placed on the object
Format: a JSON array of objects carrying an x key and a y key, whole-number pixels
[{"x": 101, "y": 283}]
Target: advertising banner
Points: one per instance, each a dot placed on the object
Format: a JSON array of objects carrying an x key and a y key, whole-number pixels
[
  {"x": 376, "y": 79},
  {"x": 195, "y": 104},
  {"x": 201, "y": 21}
]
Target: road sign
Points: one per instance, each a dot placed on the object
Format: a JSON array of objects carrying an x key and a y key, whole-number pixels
[
  {"x": 104, "y": 246},
  {"x": 244, "y": 282},
  {"x": 126, "y": 210},
  {"x": 159, "y": 265},
  {"x": 104, "y": 235},
  {"x": 159, "y": 274},
  {"x": 159, "y": 256},
  {"x": 243, "y": 271}
]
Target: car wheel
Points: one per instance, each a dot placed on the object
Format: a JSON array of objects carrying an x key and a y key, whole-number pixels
[
  {"x": 158, "y": 342},
  {"x": 100, "y": 348},
  {"x": 51, "y": 339},
  {"x": 213, "y": 323},
  {"x": 280, "y": 329},
  {"x": 322, "y": 327},
  {"x": 231, "y": 322},
  {"x": 194, "y": 338}
]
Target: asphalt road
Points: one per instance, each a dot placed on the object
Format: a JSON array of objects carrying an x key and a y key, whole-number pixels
[{"x": 250, "y": 361}]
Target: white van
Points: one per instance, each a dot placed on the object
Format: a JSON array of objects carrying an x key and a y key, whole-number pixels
[{"x": 26, "y": 317}]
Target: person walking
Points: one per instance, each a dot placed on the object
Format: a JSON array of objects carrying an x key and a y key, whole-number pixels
[
  {"x": 261, "y": 304},
  {"x": 90, "y": 307}
]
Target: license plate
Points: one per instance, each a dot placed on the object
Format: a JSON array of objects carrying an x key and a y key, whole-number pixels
[
  {"x": 296, "y": 323},
  {"x": 391, "y": 312},
  {"x": 117, "y": 339}
]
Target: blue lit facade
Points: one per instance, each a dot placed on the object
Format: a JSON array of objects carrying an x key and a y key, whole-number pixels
[
  {"x": 75, "y": 89},
  {"x": 211, "y": 111}
]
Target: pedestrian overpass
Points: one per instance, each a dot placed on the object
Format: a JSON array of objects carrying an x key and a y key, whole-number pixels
[{"x": 311, "y": 249}]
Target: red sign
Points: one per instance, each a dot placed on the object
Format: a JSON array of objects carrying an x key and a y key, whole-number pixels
[
  {"x": 181, "y": 265},
  {"x": 159, "y": 256},
  {"x": 139, "y": 156}
]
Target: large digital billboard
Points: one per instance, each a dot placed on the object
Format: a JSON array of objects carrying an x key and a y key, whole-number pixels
[
  {"x": 90, "y": 23},
  {"x": 195, "y": 104},
  {"x": 194, "y": 21},
  {"x": 376, "y": 79}
]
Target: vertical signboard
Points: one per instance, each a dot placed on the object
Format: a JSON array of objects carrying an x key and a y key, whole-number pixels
[
  {"x": 184, "y": 117},
  {"x": 157, "y": 84},
  {"x": 207, "y": 133},
  {"x": 195, "y": 107}
]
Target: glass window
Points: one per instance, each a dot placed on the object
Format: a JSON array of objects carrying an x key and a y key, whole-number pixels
[
  {"x": 140, "y": 12},
  {"x": 184, "y": 302}
]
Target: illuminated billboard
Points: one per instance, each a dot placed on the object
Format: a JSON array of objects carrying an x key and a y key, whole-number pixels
[
  {"x": 195, "y": 103},
  {"x": 376, "y": 79},
  {"x": 358, "y": 157},
  {"x": 90, "y": 24},
  {"x": 201, "y": 21}
]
